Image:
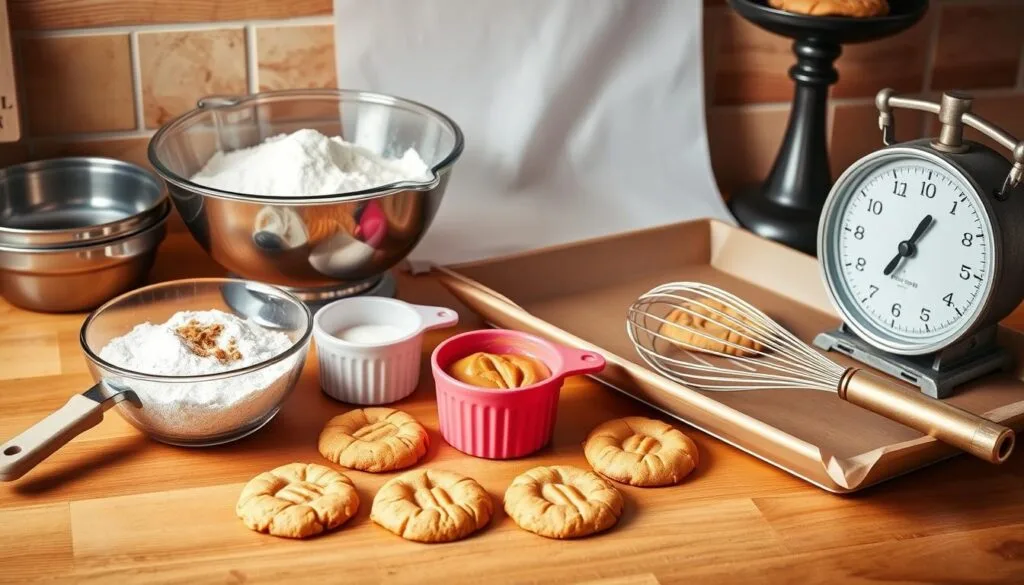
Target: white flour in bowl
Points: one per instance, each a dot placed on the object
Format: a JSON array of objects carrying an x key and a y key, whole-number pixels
[
  {"x": 306, "y": 163},
  {"x": 189, "y": 410}
]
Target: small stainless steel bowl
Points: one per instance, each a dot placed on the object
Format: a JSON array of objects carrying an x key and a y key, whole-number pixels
[
  {"x": 314, "y": 246},
  {"x": 79, "y": 278},
  {"x": 70, "y": 201}
]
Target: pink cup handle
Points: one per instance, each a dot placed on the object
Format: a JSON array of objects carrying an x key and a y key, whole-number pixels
[
  {"x": 436, "y": 317},
  {"x": 579, "y": 362}
]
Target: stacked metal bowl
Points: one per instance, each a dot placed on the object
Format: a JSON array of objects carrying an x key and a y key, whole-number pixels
[{"x": 76, "y": 232}]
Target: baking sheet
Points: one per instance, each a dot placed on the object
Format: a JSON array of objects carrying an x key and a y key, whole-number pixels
[
  {"x": 579, "y": 293},
  {"x": 582, "y": 118}
]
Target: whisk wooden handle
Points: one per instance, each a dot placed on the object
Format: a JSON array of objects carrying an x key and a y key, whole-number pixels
[{"x": 961, "y": 429}]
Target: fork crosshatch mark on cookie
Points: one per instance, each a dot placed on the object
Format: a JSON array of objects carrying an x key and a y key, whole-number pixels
[
  {"x": 297, "y": 500},
  {"x": 432, "y": 506},
  {"x": 374, "y": 440},
  {"x": 563, "y": 502},
  {"x": 640, "y": 451}
]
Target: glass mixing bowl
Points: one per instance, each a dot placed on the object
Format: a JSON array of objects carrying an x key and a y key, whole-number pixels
[
  {"x": 207, "y": 422},
  {"x": 191, "y": 411},
  {"x": 341, "y": 242}
]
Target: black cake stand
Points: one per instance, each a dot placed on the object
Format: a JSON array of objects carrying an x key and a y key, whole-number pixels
[{"x": 786, "y": 207}]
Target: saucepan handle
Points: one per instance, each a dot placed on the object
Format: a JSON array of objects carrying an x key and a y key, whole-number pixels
[
  {"x": 436, "y": 317},
  {"x": 578, "y": 362},
  {"x": 19, "y": 455}
]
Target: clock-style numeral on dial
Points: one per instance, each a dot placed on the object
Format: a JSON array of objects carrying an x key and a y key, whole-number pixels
[{"x": 918, "y": 276}]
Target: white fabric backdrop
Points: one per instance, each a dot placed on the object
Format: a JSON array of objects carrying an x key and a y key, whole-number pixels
[{"x": 582, "y": 117}]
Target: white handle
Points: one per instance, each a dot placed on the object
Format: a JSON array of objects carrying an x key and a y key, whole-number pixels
[
  {"x": 436, "y": 317},
  {"x": 19, "y": 455}
]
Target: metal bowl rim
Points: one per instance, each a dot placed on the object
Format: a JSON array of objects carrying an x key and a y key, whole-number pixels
[
  {"x": 86, "y": 162},
  {"x": 290, "y": 94},
  {"x": 298, "y": 346},
  {"x": 88, "y": 245},
  {"x": 159, "y": 215}
]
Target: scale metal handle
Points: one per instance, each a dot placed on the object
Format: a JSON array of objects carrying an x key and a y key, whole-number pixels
[{"x": 953, "y": 111}]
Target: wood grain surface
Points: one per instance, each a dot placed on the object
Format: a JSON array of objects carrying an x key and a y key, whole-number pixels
[{"x": 115, "y": 507}]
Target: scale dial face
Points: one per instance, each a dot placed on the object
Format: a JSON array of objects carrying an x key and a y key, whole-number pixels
[{"x": 908, "y": 250}]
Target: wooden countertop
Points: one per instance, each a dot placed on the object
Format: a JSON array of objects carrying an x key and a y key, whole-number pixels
[{"x": 115, "y": 507}]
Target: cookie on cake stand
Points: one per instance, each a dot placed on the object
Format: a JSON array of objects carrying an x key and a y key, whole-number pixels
[{"x": 786, "y": 206}]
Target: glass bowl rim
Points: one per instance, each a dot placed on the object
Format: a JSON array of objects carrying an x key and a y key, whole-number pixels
[
  {"x": 296, "y": 347},
  {"x": 341, "y": 95}
]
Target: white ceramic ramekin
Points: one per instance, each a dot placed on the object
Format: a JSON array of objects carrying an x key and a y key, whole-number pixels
[{"x": 373, "y": 373}]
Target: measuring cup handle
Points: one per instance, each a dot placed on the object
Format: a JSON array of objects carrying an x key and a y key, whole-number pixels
[
  {"x": 436, "y": 317},
  {"x": 578, "y": 362},
  {"x": 19, "y": 455}
]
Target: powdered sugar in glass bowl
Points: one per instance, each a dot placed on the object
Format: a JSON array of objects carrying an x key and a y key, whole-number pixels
[{"x": 209, "y": 408}]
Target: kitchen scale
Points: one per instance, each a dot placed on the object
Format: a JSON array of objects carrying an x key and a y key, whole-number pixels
[
  {"x": 385, "y": 285},
  {"x": 921, "y": 245}
]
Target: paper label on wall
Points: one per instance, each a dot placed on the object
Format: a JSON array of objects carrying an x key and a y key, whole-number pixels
[
  {"x": 581, "y": 118},
  {"x": 10, "y": 129}
]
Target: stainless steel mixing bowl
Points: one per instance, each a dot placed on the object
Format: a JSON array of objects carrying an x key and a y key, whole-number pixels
[
  {"x": 77, "y": 200},
  {"x": 315, "y": 246},
  {"x": 79, "y": 278}
]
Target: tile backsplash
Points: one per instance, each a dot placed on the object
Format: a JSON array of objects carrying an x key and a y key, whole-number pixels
[
  {"x": 99, "y": 76},
  {"x": 178, "y": 68}
]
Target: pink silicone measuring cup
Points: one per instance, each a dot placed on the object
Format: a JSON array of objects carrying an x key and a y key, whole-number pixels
[{"x": 503, "y": 424}]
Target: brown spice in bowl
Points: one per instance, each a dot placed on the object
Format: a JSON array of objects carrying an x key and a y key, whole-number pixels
[{"x": 202, "y": 341}]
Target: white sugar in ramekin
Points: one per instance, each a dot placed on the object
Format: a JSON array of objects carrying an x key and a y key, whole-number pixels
[{"x": 372, "y": 372}]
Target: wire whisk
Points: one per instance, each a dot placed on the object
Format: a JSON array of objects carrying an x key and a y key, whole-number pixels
[
  {"x": 759, "y": 353},
  {"x": 706, "y": 338}
]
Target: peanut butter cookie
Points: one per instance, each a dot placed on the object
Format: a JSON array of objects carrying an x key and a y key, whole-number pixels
[
  {"x": 640, "y": 451},
  {"x": 430, "y": 505},
  {"x": 711, "y": 327},
  {"x": 562, "y": 502},
  {"x": 854, "y": 8},
  {"x": 374, "y": 439},
  {"x": 501, "y": 371},
  {"x": 297, "y": 500}
]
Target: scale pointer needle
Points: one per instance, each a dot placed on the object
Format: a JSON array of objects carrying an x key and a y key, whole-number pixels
[{"x": 908, "y": 247}]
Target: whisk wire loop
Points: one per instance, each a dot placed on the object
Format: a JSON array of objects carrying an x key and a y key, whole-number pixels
[{"x": 757, "y": 353}]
